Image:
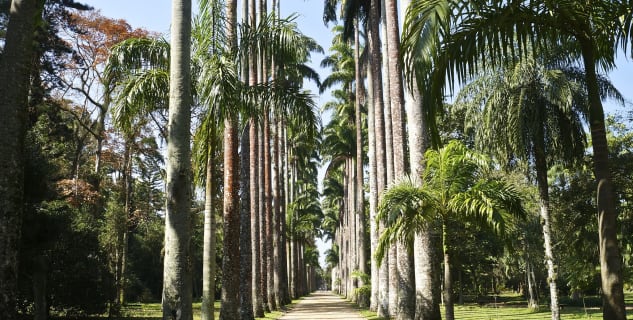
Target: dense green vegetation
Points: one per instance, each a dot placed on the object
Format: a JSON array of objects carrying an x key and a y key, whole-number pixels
[{"x": 136, "y": 170}]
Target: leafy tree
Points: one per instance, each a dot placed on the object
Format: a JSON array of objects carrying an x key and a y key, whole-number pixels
[
  {"x": 481, "y": 31},
  {"x": 93, "y": 36},
  {"x": 542, "y": 123},
  {"x": 453, "y": 187}
]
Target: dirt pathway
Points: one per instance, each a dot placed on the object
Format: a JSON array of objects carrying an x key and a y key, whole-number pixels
[{"x": 322, "y": 305}]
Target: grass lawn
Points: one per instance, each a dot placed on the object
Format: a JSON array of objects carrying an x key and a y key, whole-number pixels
[
  {"x": 503, "y": 311},
  {"x": 141, "y": 311},
  {"x": 509, "y": 307}
]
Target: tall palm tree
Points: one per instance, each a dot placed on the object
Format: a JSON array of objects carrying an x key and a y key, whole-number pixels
[
  {"x": 425, "y": 255},
  {"x": 453, "y": 186},
  {"x": 15, "y": 68},
  {"x": 405, "y": 295},
  {"x": 591, "y": 33},
  {"x": 177, "y": 269},
  {"x": 540, "y": 110},
  {"x": 231, "y": 242}
]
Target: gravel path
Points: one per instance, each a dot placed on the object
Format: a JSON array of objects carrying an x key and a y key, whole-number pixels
[{"x": 322, "y": 305}]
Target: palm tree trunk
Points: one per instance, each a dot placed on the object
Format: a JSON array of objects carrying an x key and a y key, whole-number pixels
[
  {"x": 257, "y": 294},
  {"x": 177, "y": 269},
  {"x": 360, "y": 194},
  {"x": 427, "y": 286},
  {"x": 373, "y": 192},
  {"x": 276, "y": 214},
  {"x": 405, "y": 305},
  {"x": 610, "y": 257},
  {"x": 15, "y": 67},
  {"x": 283, "y": 179},
  {"x": 379, "y": 123},
  {"x": 231, "y": 213},
  {"x": 231, "y": 225},
  {"x": 208, "y": 256},
  {"x": 541, "y": 179},
  {"x": 263, "y": 222},
  {"x": 128, "y": 210},
  {"x": 246, "y": 261},
  {"x": 270, "y": 283},
  {"x": 449, "y": 308}
]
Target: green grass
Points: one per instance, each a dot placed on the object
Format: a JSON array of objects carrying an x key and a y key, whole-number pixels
[
  {"x": 507, "y": 307},
  {"x": 511, "y": 307},
  {"x": 141, "y": 311}
]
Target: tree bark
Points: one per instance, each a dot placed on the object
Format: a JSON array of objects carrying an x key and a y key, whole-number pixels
[
  {"x": 373, "y": 193},
  {"x": 425, "y": 255},
  {"x": 246, "y": 262},
  {"x": 610, "y": 257},
  {"x": 15, "y": 66},
  {"x": 208, "y": 255},
  {"x": 231, "y": 213},
  {"x": 283, "y": 258},
  {"x": 360, "y": 191},
  {"x": 40, "y": 277},
  {"x": 405, "y": 297},
  {"x": 270, "y": 283},
  {"x": 541, "y": 178},
  {"x": 449, "y": 308},
  {"x": 379, "y": 123},
  {"x": 177, "y": 299}
]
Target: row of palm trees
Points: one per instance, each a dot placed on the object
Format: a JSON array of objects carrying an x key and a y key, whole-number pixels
[
  {"x": 525, "y": 102},
  {"x": 253, "y": 121}
]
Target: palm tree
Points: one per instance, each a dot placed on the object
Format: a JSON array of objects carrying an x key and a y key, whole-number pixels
[
  {"x": 426, "y": 262},
  {"x": 453, "y": 186},
  {"x": 15, "y": 69},
  {"x": 543, "y": 108},
  {"x": 231, "y": 242},
  {"x": 378, "y": 129},
  {"x": 177, "y": 269},
  {"x": 481, "y": 31}
]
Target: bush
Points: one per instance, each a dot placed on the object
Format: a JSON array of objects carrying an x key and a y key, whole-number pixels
[{"x": 362, "y": 295}]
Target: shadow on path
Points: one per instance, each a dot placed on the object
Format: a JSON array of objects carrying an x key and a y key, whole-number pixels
[{"x": 322, "y": 305}]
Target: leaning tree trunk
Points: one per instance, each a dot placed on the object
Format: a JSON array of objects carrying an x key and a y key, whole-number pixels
[
  {"x": 541, "y": 179},
  {"x": 15, "y": 66},
  {"x": 177, "y": 266},
  {"x": 610, "y": 257},
  {"x": 231, "y": 243}
]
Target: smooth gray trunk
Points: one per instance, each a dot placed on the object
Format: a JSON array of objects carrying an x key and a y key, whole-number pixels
[
  {"x": 209, "y": 243},
  {"x": 176, "y": 302},
  {"x": 379, "y": 124},
  {"x": 373, "y": 194}
]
